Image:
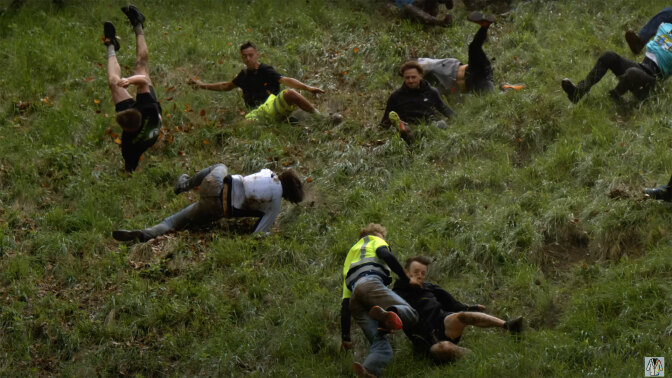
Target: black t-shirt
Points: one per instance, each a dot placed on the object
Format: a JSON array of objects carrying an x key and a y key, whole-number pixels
[
  {"x": 133, "y": 144},
  {"x": 414, "y": 105},
  {"x": 258, "y": 84}
]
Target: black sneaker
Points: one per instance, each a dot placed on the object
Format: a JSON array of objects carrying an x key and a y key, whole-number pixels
[
  {"x": 660, "y": 193},
  {"x": 514, "y": 325},
  {"x": 110, "y": 35},
  {"x": 481, "y": 19},
  {"x": 634, "y": 42},
  {"x": 130, "y": 235},
  {"x": 134, "y": 15},
  {"x": 571, "y": 90}
]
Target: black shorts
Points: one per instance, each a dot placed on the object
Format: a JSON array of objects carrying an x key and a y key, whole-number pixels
[
  {"x": 423, "y": 339},
  {"x": 140, "y": 100}
]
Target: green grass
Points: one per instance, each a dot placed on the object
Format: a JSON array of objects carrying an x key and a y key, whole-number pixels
[{"x": 530, "y": 205}]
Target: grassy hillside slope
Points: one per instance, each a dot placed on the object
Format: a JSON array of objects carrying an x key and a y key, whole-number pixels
[{"x": 530, "y": 205}]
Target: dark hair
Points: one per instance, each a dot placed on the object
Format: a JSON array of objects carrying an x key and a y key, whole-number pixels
[
  {"x": 409, "y": 65},
  {"x": 292, "y": 187},
  {"x": 424, "y": 260},
  {"x": 247, "y": 45},
  {"x": 129, "y": 119},
  {"x": 373, "y": 228}
]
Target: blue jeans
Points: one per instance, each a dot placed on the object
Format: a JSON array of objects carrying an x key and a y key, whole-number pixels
[
  {"x": 370, "y": 291},
  {"x": 208, "y": 209},
  {"x": 651, "y": 27}
]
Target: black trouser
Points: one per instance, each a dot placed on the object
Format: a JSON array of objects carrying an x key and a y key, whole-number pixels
[
  {"x": 479, "y": 77},
  {"x": 639, "y": 78}
]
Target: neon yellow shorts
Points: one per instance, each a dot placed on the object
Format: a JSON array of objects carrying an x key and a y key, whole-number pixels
[{"x": 273, "y": 108}]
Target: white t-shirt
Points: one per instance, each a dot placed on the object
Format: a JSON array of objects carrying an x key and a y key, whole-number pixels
[{"x": 261, "y": 192}]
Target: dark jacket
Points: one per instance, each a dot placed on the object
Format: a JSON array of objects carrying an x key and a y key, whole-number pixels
[{"x": 416, "y": 105}]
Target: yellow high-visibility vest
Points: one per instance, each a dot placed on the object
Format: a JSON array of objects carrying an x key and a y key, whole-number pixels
[{"x": 362, "y": 260}]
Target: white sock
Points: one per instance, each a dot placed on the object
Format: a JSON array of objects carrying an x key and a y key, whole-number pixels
[
  {"x": 110, "y": 51},
  {"x": 138, "y": 29}
]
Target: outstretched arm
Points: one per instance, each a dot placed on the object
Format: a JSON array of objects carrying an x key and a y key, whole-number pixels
[
  {"x": 441, "y": 106},
  {"x": 293, "y": 83},
  {"x": 136, "y": 80},
  {"x": 221, "y": 86},
  {"x": 346, "y": 344}
]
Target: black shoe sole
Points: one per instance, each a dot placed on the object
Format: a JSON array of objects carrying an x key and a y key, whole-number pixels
[
  {"x": 571, "y": 90},
  {"x": 634, "y": 42},
  {"x": 111, "y": 35},
  {"x": 125, "y": 235},
  {"x": 134, "y": 15}
]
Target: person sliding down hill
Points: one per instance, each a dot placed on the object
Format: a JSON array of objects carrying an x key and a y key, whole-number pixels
[
  {"x": 638, "y": 78},
  {"x": 426, "y": 11},
  {"x": 261, "y": 89},
  {"x": 376, "y": 308},
  {"x": 476, "y": 76},
  {"x": 140, "y": 119},
  {"x": 226, "y": 196},
  {"x": 442, "y": 318},
  {"x": 414, "y": 102}
]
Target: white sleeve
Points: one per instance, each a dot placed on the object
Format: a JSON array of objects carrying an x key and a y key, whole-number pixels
[{"x": 270, "y": 214}]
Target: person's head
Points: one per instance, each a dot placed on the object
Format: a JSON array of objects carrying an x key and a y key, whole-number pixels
[
  {"x": 129, "y": 119},
  {"x": 416, "y": 267},
  {"x": 373, "y": 229},
  {"x": 292, "y": 187},
  {"x": 412, "y": 73},
  {"x": 250, "y": 55}
]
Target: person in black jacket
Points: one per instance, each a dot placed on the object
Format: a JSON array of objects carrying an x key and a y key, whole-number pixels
[
  {"x": 414, "y": 102},
  {"x": 442, "y": 317}
]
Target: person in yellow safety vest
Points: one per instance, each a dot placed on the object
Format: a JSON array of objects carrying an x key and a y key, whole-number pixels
[{"x": 376, "y": 308}]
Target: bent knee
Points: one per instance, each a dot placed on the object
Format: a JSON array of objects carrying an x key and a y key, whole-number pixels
[
  {"x": 112, "y": 81},
  {"x": 290, "y": 94},
  {"x": 608, "y": 56}
]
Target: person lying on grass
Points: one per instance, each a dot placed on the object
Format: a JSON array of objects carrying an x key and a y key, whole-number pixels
[
  {"x": 140, "y": 119},
  {"x": 376, "y": 308},
  {"x": 442, "y": 318},
  {"x": 638, "y": 78},
  {"x": 226, "y": 196},
  {"x": 261, "y": 88},
  {"x": 414, "y": 102},
  {"x": 426, "y": 11},
  {"x": 476, "y": 76}
]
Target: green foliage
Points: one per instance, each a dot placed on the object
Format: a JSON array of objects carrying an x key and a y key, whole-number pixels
[{"x": 528, "y": 204}]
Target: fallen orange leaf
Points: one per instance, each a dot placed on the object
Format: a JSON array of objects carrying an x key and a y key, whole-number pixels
[
  {"x": 309, "y": 179},
  {"x": 117, "y": 141},
  {"x": 202, "y": 113},
  {"x": 205, "y": 141},
  {"x": 96, "y": 101},
  {"x": 356, "y": 50},
  {"x": 181, "y": 153}
]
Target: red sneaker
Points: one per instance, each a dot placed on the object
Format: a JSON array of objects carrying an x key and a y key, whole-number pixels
[{"x": 389, "y": 320}]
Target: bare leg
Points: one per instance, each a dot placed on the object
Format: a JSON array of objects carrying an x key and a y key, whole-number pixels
[
  {"x": 293, "y": 97},
  {"x": 141, "y": 57},
  {"x": 454, "y": 323},
  {"x": 113, "y": 75},
  {"x": 447, "y": 351}
]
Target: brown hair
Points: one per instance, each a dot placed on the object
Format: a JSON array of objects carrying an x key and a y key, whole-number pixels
[
  {"x": 409, "y": 65},
  {"x": 292, "y": 187},
  {"x": 373, "y": 228},
  {"x": 247, "y": 45},
  {"x": 424, "y": 260},
  {"x": 129, "y": 119}
]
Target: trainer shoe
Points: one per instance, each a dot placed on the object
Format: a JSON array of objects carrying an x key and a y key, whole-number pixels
[
  {"x": 134, "y": 15},
  {"x": 514, "y": 325},
  {"x": 361, "y": 371},
  {"x": 387, "y": 319},
  {"x": 636, "y": 44},
  {"x": 110, "y": 35},
  {"x": 571, "y": 90},
  {"x": 181, "y": 184},
  {"x": 405, "y": 131},
  {"x": 481, "y": 19},
  {"x": 130, "y": 235},
  {"x": 660, "y": 193}
]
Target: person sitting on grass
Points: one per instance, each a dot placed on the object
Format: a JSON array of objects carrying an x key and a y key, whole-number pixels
[
  {"x": 140, "y": 119},
  {"x": 638, "y": 78},
  {"x": 637, "y": 41},
  {"x": 261, "y": 88},
  {"x": 226, "y": 196},
  {"x": 476, "y": 76},
  {"x": 414, "y": 102},
  {"x": 376, "y": 308},
  {"x": 426, "y": 11},
  {"x": 442, "y": 318}
]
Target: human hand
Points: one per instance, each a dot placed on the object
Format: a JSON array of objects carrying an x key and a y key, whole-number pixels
[
  {"x": 123, "y": 82},
  {"x": 194, "y": 82},
  {"x": 481, "y": 308},
  {"x": 315, "y": 90},
  {"x": 346, "y": 346},
  {"x": 413, "y": 282}
]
